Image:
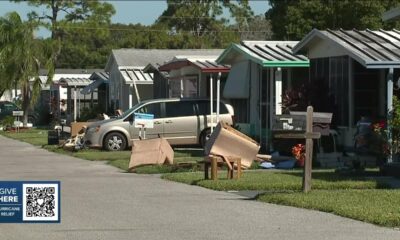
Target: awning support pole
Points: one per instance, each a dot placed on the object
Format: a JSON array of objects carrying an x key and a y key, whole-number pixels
[
  {"x": 211, "y": 103},
  {"x": 75, "y": 104},
  {"x": 130, "y": 95},
  {"x": 390, "y": 112},
  {"x": 278, "y": 91},
  {"x": 181, "y": 87},
  {"x": 136, "y": 92},
  {"x": 218, "y": 94}
]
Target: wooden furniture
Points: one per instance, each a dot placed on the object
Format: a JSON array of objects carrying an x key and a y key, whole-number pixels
[{"x": 215, "y": 161}]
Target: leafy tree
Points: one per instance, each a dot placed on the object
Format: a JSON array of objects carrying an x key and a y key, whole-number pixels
[
  {"x": 21, "y": 58},
  {"x": 259, "y": 28},
  {"x": 62, "y": 15},
  {"x": 201, "y": 23},
  {"x": 293, "y": 19}
]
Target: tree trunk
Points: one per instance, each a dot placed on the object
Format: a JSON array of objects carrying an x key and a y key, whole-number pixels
[{"x": 25, "y": 102}]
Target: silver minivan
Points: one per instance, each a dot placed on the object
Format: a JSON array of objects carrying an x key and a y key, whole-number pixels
[{"x": 180, "y": 121}]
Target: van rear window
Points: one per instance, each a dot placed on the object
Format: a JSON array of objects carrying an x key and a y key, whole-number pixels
[
  {"x": 179, "y": 109},
  {"x": 204, "y": 108}
]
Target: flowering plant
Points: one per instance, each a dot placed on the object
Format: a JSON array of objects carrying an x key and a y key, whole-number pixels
[
  {"x": 380, "y": 144},
  {"x": 299, "y": 152}
]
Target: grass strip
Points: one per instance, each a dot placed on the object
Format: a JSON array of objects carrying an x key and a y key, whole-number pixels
[
  {"x": 381, "y": 207},
  {"x": 278, "y": 181}
]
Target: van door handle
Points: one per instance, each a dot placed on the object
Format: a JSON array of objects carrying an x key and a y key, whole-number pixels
[
  {"x": 169, "y": 121},
  {"x": 157, "y": 122}
]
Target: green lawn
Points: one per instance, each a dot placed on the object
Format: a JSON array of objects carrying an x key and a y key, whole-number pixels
[
  {"x": 381, "y": 207},
  {"x": 37, "y": 137},
  {"x": 356, "y": 195},
  {"x": 279, "y": 181}
]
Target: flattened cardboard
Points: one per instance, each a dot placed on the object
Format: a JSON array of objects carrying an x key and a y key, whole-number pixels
[
  {"x": 227, "y": 141},
  {"x": 151, "y": 151}
]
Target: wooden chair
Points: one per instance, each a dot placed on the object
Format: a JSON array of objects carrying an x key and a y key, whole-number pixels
[{"x": 215, "y": 161}]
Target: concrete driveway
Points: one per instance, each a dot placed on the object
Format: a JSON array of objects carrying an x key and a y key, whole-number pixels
[{"x": 100, "y": 202}]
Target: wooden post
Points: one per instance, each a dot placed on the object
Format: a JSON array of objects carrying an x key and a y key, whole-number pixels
[
  {"x": 309, "y": 136},
  {"x": 309, "y": 151}
]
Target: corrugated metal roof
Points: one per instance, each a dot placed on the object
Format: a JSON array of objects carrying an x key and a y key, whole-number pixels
[
  {"x": 373, "y": 49},
  {"x": 204, "y": 63},
  {"x": 100, "y": 76},
  {"x": 266, "y": 53},
  {"x": 137, "y": 76},
  {"x": 75, "y": 82},
  {"x": 92, "y": 86},
  {"x": 142, "y": 57}
]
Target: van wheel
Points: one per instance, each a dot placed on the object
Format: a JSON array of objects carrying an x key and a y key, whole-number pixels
[
  {"x": 115, "y": 142},
  {"x": 205, "y": 135}
]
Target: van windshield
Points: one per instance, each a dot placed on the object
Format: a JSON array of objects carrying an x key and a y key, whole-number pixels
[{"x": 129, "y": 111}]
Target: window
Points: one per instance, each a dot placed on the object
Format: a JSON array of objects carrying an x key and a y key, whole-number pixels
[
  {"x": 204, "y": 108},
  {"x": 179, "y": 109},
  {"x": 153, "y": 108}
]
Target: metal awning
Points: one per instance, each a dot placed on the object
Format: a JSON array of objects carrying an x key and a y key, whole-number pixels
[
  {"x": 98, "y": 79},
  {"x": 372, "y": 49},
  {"x": 92, "y": 86},
  {"x": 265, "y": 53},
  {"x": 204, "y": 65},
  {"x": 75, "y": 82},
  {"x": 136, "y": 76}
]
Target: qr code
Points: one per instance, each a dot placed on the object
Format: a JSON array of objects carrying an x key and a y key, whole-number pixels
[{"x": 40, "y": 202}]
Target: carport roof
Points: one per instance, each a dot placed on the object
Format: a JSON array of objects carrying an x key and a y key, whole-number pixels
[
  {"x": 205, "y": 64},
  {"x": 372, "y": 49},
  {"x": 137, "y": 76},
  {"x": 75, "y": 82},
  {"x": 265, "y": 53}
]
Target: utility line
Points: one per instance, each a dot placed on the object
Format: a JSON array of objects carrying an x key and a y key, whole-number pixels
[{"x": 161, "y": 30}]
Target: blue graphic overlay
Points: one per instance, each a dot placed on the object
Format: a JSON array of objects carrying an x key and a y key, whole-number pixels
[{"x": 30, "y": 201}]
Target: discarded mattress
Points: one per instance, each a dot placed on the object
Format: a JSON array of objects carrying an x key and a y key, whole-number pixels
[
  {"x": 151, "y": 151},
  {"x": 227, "y": 141}
]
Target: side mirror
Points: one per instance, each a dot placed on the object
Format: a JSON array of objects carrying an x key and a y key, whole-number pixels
[{"x": 131, "y": 118}]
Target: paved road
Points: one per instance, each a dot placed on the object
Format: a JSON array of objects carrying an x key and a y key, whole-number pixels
[{"x": 100, "y": 202}]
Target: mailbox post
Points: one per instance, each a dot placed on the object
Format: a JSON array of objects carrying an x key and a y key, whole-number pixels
[{"x": 17, "y": 114}]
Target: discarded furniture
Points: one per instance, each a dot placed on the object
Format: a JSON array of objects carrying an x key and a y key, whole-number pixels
[
  {"x": 227, "y": 141},
  {"x": 77, "y": 126},
  {"x": 215, "y": 161},
  {"x": 150, "y": 151}
]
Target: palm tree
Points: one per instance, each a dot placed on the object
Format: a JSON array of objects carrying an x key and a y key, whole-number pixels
[{"x": 21, "y": 58}]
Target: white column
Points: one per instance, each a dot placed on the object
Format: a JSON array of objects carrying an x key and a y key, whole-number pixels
[
  {"x": 218, "y": 94},
  {"x": 211, "y": 104},
  {"x": 130, "y": 95},
  {"x": 75, "y": 104},
  {"x": 278, "y": 91},
  {"x": 79, "y": 104},
  {"x": 390, "y": 110},
  {"x": 181, "y": 87}
]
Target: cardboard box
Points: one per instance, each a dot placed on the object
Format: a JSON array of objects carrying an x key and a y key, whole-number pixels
[
  {"x": 77, "y": 126},
  {"x": 151, "y": 151},
  {"x": 227, "y": 141}
]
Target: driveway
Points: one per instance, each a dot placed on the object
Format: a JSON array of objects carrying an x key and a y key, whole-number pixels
[{"x": 101, "y": 202}]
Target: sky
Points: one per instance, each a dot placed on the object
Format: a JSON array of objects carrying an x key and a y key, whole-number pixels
[{"x": 128, "y": 11}]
